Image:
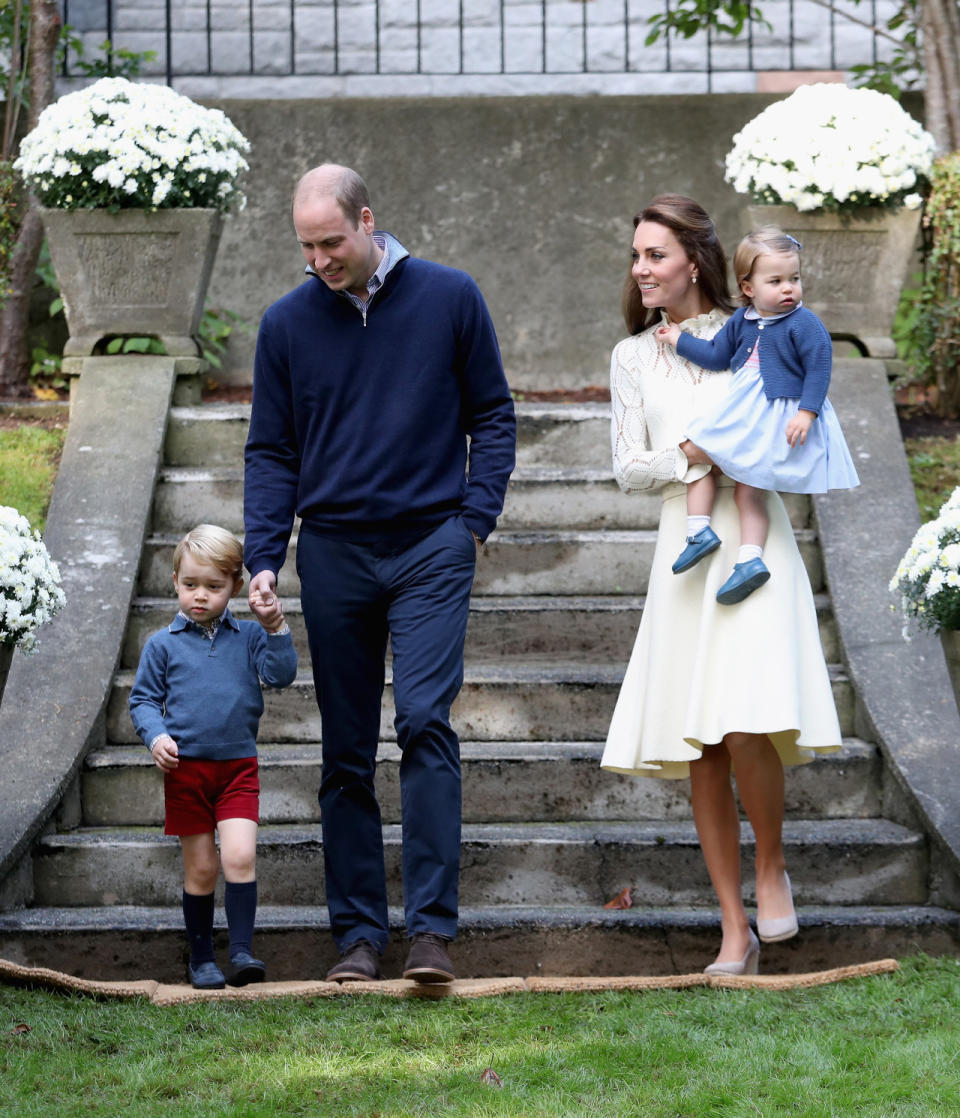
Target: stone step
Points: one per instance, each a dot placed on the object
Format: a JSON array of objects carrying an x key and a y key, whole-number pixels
[
  {"x": 503, "y": 782},
  {"x": 597, "y": 628},
  {"x": 557, "y": 563},
  {"x": 514, "y": 701},
  {"x": 860, "y": 861},
  {"x": 127, "y": 942},
  {"x": 560, "y": 435},
  {"x": 538, "y": 498}
]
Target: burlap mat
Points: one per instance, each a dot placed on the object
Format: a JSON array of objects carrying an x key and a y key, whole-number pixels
[{"x": 13, "y": 974}]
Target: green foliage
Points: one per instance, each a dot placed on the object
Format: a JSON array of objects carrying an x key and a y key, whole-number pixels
[
  {"x": 216, "y": 326},
  {"x": 656, "y": 1054},
  {"x": 29, "y": 456},
  {"x": 9, "y": 225},
  {"x": 687, "y": 17},
  {"x": 933, "y": 343},
  {"x": 906, "y": 319},
  {"x": 14, "y": 61},
  {"x": 134, "y": 344},
  {"x": 112, "y": 62},
  {"x": 905, "y": 65},
  {"x": 729, "y": 17}
]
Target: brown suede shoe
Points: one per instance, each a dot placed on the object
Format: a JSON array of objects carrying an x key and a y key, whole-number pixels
[
  {"x": 359, "y": 963},
  {"x": 428, "y": 960}
]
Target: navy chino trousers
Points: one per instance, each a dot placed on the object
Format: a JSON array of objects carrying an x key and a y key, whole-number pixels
[{"x": 417, "y": 591}]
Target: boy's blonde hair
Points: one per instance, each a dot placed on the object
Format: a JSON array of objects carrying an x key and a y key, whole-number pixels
[
  {"x": 211, "y": 544},
  {"x": 767, "y": 240}
]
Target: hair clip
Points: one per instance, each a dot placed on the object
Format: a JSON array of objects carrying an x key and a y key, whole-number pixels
[{"x": 793, "y": 241}]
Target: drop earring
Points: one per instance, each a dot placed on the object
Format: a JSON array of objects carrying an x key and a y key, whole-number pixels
[{"x": 694, "y": 278}]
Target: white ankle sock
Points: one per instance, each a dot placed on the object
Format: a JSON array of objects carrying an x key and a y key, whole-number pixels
[
  {"x": 748, "y": 551},
  {"x": 696, "y": 524}
]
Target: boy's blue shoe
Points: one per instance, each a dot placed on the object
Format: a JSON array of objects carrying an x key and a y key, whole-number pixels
[
  {"x": 244, "y": 969},
  {"x": 206, "y": 976},
  {"x": 741, "y": 584},
  {"x": 705, "y": 541}
]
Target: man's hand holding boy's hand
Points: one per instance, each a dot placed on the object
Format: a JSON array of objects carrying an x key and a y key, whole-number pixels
[
  {"x": 165, "y": 754},
  {"x": 268, "y": 613}
]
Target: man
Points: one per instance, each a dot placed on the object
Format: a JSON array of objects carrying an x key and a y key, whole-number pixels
[{"x": 369, "y": 379}]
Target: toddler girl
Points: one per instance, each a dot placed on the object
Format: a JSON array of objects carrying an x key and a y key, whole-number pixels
[{"x": 776, "y": 430}]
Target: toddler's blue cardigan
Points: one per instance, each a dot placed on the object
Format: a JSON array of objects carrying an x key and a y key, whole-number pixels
[{"x": 796, "y": 355}]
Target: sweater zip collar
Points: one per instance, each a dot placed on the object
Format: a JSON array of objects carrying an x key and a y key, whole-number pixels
[{"x": 393, "y": 253}]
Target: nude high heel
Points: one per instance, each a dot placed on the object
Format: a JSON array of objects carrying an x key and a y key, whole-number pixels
[
  {"x": 749, "y": 964},
  {"x": 780, "y": 927}
]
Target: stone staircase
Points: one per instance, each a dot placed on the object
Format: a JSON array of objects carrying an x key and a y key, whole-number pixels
[{"x": 548, "y": 838}]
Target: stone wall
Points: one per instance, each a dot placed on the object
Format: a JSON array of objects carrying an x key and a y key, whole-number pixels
[{"x": 533, "y": 196}]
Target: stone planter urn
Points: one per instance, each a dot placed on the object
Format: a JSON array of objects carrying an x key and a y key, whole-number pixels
[
  {"x": 950, "y": 639},
  {"x": 6, "y": 658},
  {"x": 133, "y": 273},
  {"x": 854, "y": 267}
]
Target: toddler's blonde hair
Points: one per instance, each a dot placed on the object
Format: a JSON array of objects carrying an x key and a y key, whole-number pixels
[
  {"x": 767, "y": 240},
  {"x": 210, "y": 544}
]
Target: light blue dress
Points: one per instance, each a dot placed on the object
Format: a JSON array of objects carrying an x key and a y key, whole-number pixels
[{"x": 746, "y": 438}]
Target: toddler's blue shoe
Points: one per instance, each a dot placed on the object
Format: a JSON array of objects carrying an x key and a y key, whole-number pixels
[
  {"x": 746, "y": 578},
  {"x": 244, "y": 969},
  {"x": 705, "y": 541},
  {"x": 206, "y": 976}
]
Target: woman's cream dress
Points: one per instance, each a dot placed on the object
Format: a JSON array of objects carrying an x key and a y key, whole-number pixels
[{"x": 700, "y": 670}]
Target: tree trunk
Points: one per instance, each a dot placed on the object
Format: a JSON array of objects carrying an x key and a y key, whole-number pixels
[
  {"x": 45, "y": 30},
  {"x": 941, "y": 60}
]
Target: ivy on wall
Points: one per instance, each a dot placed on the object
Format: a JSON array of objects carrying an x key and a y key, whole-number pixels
[{"x": 934, "y": 342}]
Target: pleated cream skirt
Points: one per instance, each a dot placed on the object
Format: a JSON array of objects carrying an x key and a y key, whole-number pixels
[{"x": 700, "y": 670}]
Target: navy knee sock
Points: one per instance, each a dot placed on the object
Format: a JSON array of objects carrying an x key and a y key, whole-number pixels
[
  {"x": 240, "y": 902},
  {"x": 198, "y": 917}
]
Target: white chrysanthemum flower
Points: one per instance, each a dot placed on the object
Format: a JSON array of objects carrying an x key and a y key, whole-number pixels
[
  {"x": 30, "y": 591},
  {"x": 103, "y": 145},
  {"x": 837, "y": 147}
]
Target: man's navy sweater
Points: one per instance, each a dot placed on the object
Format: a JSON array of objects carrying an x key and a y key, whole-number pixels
[
  {"x": 796, "y": 355},
  {"x": 360, "y": 422}
]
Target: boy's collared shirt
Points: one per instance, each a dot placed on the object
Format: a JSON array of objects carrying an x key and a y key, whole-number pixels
[{"x": 210, "y": 631}]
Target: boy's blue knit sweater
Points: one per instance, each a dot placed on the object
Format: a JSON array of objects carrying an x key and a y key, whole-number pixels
[
  {"x": 360, "y": 421},
  {"x": 796, "y": 356},
  {"x": 206, "y": 693}
]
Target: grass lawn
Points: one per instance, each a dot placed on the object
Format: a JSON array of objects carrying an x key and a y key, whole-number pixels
[
  {"x": 29, "y": 455},
  {"x": 884, "y": 1046},
  {"x": 935, "y": 468}
]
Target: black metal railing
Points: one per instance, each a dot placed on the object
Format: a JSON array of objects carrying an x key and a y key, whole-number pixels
[{"x": 194, "y": 38}]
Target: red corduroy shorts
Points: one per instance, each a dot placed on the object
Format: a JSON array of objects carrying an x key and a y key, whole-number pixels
[{"x": 199, "y": 793}]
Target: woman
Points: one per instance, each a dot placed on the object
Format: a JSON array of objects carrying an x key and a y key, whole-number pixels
[{"x": 709, "y": 688}]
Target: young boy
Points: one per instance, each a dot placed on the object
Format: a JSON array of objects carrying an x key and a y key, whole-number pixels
[{"x": 196, "y": 704}]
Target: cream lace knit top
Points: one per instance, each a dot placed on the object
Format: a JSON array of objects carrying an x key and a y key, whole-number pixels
[{"x": 653, "y": 393}]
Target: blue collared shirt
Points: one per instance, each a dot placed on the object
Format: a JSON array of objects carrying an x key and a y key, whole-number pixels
[{"x": 393, "y": 253}]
